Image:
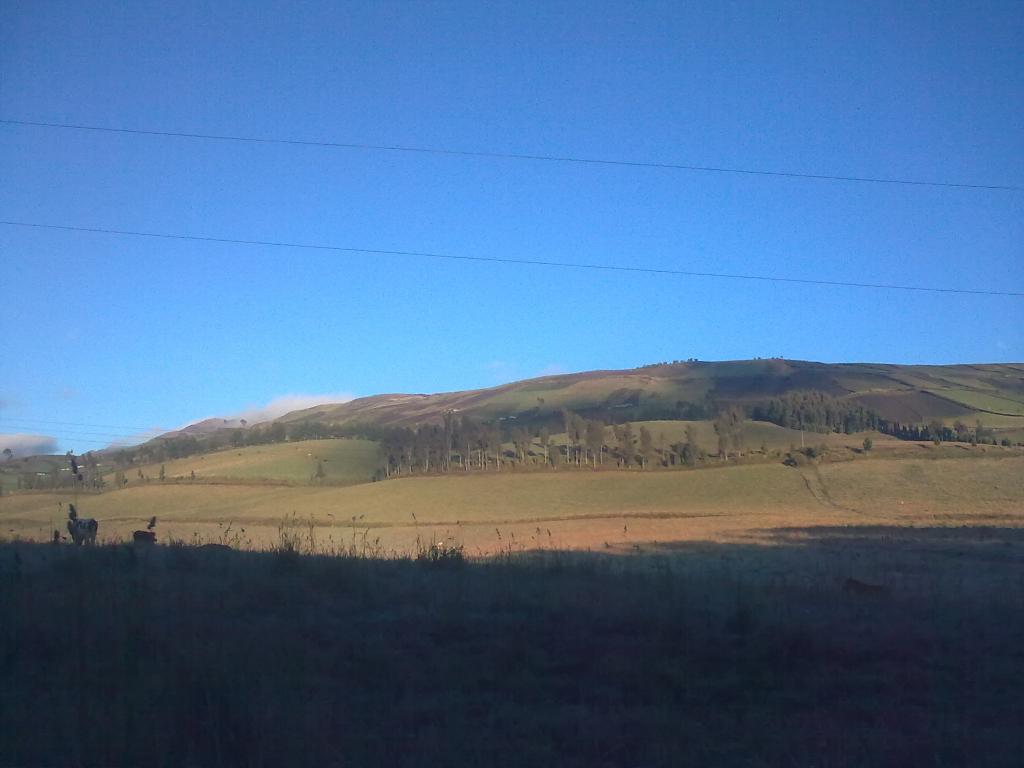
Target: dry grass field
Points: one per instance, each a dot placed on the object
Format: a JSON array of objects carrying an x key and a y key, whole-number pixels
[{"x": 609, "y": 509}]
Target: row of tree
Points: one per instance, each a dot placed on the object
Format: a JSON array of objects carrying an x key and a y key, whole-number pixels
[
  {"x": 465, "y": 443},
  {"x": 462, "y": 443},
  {"x": 818, "y": 412},
  {"x": 938, "y": 432}
]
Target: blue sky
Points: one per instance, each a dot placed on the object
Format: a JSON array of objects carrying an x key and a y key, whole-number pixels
[{"x": 129, "y": 333}]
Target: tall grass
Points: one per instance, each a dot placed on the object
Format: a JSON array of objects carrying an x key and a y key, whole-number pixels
[{"x": 700, "y": 655}]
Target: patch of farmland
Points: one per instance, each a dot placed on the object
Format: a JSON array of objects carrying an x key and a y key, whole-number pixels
[
  {"x": 984, "y": 401},
  {"x": 913, "y": 407},
  {"x": 345, "y": 462},
  {"x": 564, "y": 508},
  {"x": 755, "y": 434}
]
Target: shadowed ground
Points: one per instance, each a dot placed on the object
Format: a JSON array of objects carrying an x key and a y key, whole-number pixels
[{"x": 694, "y": 653}]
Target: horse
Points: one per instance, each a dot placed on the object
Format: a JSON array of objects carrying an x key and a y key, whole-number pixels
[{"x": 83, "y": 531}]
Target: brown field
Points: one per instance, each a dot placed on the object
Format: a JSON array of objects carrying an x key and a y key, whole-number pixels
[
  {"x": 914, "y": 407},
  {"x": 612, "y": 509}
]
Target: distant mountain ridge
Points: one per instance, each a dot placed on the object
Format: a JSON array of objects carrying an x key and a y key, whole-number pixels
[
  {"x": 905, "y": 393},
  {"x": 206, "y": 426},
  {"x": 992, "y": 393}
]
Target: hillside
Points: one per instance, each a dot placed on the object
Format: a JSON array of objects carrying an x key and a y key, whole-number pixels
[
  {"x": 904, "y": 393},
  {"x": 992, "y": 394},
  {"x": 344, "y": 462}
]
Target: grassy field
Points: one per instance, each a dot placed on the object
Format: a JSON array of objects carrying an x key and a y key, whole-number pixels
[
  {"x": 757, "y": 434},
  {"x": 345, "y": 462},
  {"x": 985, "y": 401},
  {"x": 731, "y": 654},
  {"x": 490, "y": 512}
]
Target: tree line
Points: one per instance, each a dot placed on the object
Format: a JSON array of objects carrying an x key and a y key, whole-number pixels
[
  {"x": 938, "y": 432},
  {"x": 464, "y": 444},
  {"x": 816, "y": 411}
]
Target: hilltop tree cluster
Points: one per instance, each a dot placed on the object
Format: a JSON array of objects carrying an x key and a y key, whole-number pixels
[{"x": 816, "y": 412}]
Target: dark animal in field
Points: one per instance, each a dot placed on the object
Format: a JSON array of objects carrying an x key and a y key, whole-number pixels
[
  {"x": 855, "y": 587},
  {"x": 151, "y": 524},
  {"x": 83, "y": 531},
  {"x": 144, "y": 537}
]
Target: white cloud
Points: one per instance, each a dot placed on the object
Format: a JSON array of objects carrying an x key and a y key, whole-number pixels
[
  {"x": 28, "y": 445},
  {"x": 253, "y": 414},
  {"x": 552, "y": 369},
  {"x": 283, "y": 404},
  {"x": 139, "y": 439}
]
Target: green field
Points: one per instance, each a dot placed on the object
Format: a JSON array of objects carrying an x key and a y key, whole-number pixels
[
  {"x": 353, "y": 461},
  {"x": 755, "y": 435},
  {"x": 345, "y": 462},
  {"x": 985, "y": 401}
]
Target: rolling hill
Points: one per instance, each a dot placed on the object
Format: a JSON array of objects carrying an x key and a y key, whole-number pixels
[
  {"x": 905, "y": 393},
  {"x": 667, "y": 393}
]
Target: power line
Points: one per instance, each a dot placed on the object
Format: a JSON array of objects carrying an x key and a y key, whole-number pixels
[
  {"x": 60, "y": 439},
  {"x": 75, "y": 423},
  {"x": 77, "y": 433},
  {"x": 521, "y": 262},
  {"x": 517, "y": 156},
  {"x": 74, "y": 434}
]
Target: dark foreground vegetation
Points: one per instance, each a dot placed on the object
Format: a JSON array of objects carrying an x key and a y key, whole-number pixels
[{"x": 700, "y": 655}]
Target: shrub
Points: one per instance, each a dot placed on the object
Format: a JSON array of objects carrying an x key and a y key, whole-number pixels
[{"x": 441, "y": 553}]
